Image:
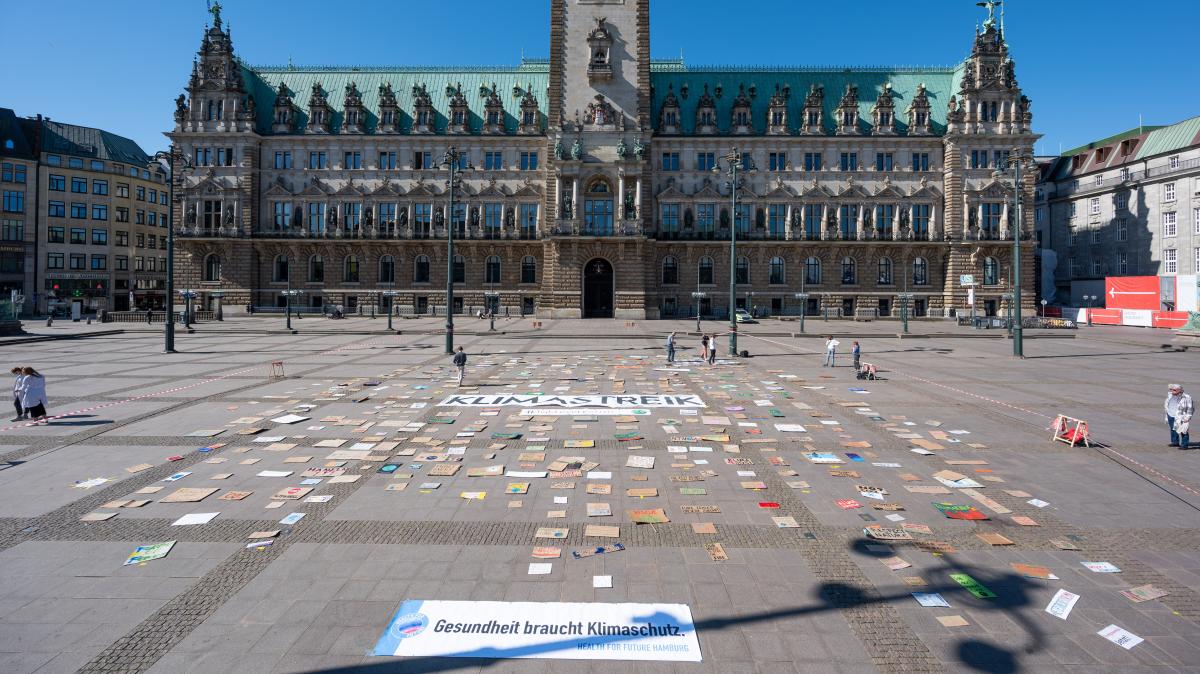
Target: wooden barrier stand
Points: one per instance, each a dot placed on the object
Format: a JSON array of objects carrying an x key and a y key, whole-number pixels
[
  {"x": 276, "y": 371},
  {"x": 1071, "y": 431}
]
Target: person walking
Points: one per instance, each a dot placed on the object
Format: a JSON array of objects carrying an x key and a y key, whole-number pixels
[
  {"x": 460, "y": 361},
  {"x": 33, "y": 395},
  {"x": 1179, "y": 415},
  {"x": 712, "y": 349},
  {"x": 17, "y": 374},
  {"x": 671, "y": 349},
  {"x": 831, "y": 346},
  {"x": 703, "y": 348},
  {"x": 856, "y": 351}
]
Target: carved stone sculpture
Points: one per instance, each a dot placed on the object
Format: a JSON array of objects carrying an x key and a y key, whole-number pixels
[{"x": 577, "y": 150}]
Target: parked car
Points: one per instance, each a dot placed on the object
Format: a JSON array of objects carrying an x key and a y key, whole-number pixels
[{"x": 743, "y": 316}]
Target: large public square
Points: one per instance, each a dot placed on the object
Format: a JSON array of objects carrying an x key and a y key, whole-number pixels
[{"x": 794, "y": 584}]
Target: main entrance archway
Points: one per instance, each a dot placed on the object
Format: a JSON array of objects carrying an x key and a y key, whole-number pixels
[{"x": 598, "y": 292}]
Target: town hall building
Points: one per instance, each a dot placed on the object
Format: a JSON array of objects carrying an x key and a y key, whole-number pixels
[{"x": 597, "y": 183}]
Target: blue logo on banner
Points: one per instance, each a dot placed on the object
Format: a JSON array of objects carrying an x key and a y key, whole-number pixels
[{"x": 409, "y": 625}]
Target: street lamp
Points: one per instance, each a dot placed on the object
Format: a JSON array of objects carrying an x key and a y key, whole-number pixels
[
  {"x": 219, "y": 294},
  {"x": 184, "y": 164},
  {"x": 492, "y": 299},
  {"x": 391, "y": 296},
  {"x": 1043, "y": 303},
  {"x": 697, "y": 296},
  {"x": 803, "y": 298},
  {"x": 904, "y": 298},
  {"x": 289, "y": 294},
  {"x": 735, "y": 161},
  {"x": 187, "y": 296},
  {"x": 451, "y": 161},
  {"x": 1018, "y": 345}
]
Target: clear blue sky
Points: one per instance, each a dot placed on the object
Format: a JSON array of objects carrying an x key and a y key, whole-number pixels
[{"x": 1091, "y": 67}]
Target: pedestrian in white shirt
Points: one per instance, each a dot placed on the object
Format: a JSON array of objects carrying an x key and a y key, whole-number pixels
[
  {"x": 1179, "y": 410},
  {"x": 33, "y": 395},
  {"x": 831, "y": 346},
  {"x": 17, "y": 373}
]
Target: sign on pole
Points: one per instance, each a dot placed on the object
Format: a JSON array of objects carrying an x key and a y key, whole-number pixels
[{"x": 966, "y": 279}]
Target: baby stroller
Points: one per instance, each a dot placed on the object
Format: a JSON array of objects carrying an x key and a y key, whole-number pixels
[{"x": 867, "y": 371}]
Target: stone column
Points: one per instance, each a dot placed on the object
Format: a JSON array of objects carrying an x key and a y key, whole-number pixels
[
  {"x": 558, "y": 193},
  {"x": 620, "y": 205},
  {"x": 575, "y": 199},
  {"x": 896, "y": 222},
  {"x": 979, "y": 218},
  {"x": 1004, "y": 220},
  {"x": 637, "y": 198},
  {"x": 934, "y": 227}
]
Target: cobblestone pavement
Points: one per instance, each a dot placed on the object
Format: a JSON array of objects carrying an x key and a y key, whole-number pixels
[{"x": 808, "y": 592}]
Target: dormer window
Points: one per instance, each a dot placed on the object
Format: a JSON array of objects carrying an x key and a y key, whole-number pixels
[
  {"x": 814, "y": 117},
  {"x": 707, "y": 118},
  {"x": 740, "y": 119},
  {"x": 921, "y": 118},
  {"x": 706, "y": 113},
  {"x": 918, "y": 113},
  {"x": 777, "y": 111},
  {"x": 458, "y": 110},
  {"x": 215, "y": 110},
  {"x": 529, "y": 111},
  {"x": 423, "y": 117},
  {"x": 813, "y": 106}
]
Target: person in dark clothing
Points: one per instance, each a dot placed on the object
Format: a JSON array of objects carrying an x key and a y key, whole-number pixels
[{"x": 460, "y": 361}]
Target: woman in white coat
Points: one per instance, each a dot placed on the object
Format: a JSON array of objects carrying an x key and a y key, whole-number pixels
[
  {"x": 17, "y": 373},
  {"x": 33, "y": 395}
]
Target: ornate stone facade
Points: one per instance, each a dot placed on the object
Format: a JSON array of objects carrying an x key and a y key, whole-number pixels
[{"x": 591, "y": 186}]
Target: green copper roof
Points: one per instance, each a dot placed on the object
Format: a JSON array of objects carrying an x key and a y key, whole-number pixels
[
  {"x": 940, "y": 84},
  {"x": 84, "y": 141},
  {"x": 262, "y": 83},
  {"x": 1131, "y": 133},
  {"x": 1171, "y": 138}
]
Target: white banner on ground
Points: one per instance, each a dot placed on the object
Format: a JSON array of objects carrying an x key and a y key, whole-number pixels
[
  {"x": 584, "y": 412},
  {"x": 573, "y": 631},
  {"x": 611, "y": 401}
]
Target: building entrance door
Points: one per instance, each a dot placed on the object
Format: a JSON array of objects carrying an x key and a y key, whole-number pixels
[{"x": 598, "y": 292}]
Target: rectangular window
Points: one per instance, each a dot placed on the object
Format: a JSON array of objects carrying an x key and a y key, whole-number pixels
[
  {"x": 991, "y": 220},
  {"x": 152, "y": 218},
  {"x": 1170, "y": 261},
  {"x": 151, "y": 241},
  {"x": 141, "y": 193},
  {"x": 201, "y": 156},
  {"x": 848, "y": 222},
  {"x": 58, "y": 183},
  {"x": 1173, "y": 162},
  {"x": 979, "y": 159},
  {"x": 352, "y": 160},
  {"x": 97, "y": 165},
  {"x": 670, "y": 161},
  {"x": 78, "y": 210},
  {"x": 317, "y": 160},
  {"x": 99, "y": 211},
  {"x": 422, "y": 219},
  {"x": 529, "y": 161},
  {"x": 140, "y": 240},
  {"x": 78, "y": 261},
  {"x": 54, "y": 260},
  {"x": 387, "y": 161},
  {"x": 1169, "y": 228},
  {"x": 123, "y": 190},
  {"x": 122, "y": 214},
  {"x": 283, "y": 160},
  {"x": 777, "y": 161},
  {"x": 6, "y": 172},
  {"x": 78, "y": 235},
  {"x": 140, "y": 217},
  {"x": 74, "y": 162},
  {"x": 1094, "y": 206},
  {"x": 12, "y": 230},
  {"x": 151, "y": 264},
  {"x": 883, "y": 161},
  {"x": 57, "y": 209},
  {"x": 1196, "y": 260},
  {"x": 99, "y": 262},
  {"x": 56, "y": 234},
  {"x": 1196, "y": 220},
  {"x": 920, "y": 161},
  {"x": 224, "y": 156},
  {"x": 812, "y": 221},
  {"x": 53, "y": 160},
  {"x": 387, "y": 215},
  {"x": 100, "y": 237},
  {"x": 351, "y": 215},
  {"x": 670, "y": 218},
  {"x": 79, "y": 185},
  {"x": 423, "y": 160},
  {"x": 316, "y": 218},
  {"x": 777, "y": 220},
  {"x": 1122, "y": 262},
  {"x": 529, "y": 213},
  {"x": 1072, "y": 209},
  {"x": 1122, "y": 229},
  {"x": 742, "y": 219},
  {"x": 1000, "y": 159},
  {"x": 122, "y": 238},
  {"x": 19, "y": 173},
  {"x": 849, "y": 161},
  {"x": 493, "y": 161},
  {"x": 1169, "y": 192},
  {"x": 99, "y": 187},
  {"x": 283, "y": 213},
  {"x": 920, "y": 221},
  {"x": 705, "y": 161},
  {"x": 1122, "y": 201},
  {"x": 1095, "y": 235},
  {"x": 706, "y": 218},
  {"x": 493, "y": 218},
  {"x": 139, "y": 263},
  {"x": 153, "y": 196},
  {"x": 122, "y": 262},
  {"x": 812, "y": 161}
]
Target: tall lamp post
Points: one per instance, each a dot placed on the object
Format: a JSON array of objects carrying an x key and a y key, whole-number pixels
[
  {"x": 184, "y": 164},
  {"x": 905, "y": 298},
  {"x": 734, "y": 161},
  {"x": 187, "y": 296},
  {"x": 451, "y": 161},
  {"x": 391, "y": 303},
  {"x": 1017, "y": 331},
  {"x": 289, "y": 294},
  {"x": 697, "y": 296}
]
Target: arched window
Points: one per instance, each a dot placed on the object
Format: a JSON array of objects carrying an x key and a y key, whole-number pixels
[
  {"x": 212, "y": 267},
  {"x": 920, "y": 272},
  {"x": 350, "y": 269},
  {"x": 991, "y": 271},
  {"x": 706, "y": 271},
  {"x": 421, "y": 269},
  {"x": 885, "y": 271},
  {"x": 280, "y": 271},
  {"x": 670, "y": 270},
  {"x": 812, "y": 271},
  {"x": 492, "y": 269},
  {"x": 777, "y": 277},
  {"x": 849, "y": 274},
  {"x": 316, "y": 269},
  {"x": 387, "y": 269},
  {"x": 460, "y": 269},
  {"x": 743, "y": 270},
  {"x": 529, "y": 269}
]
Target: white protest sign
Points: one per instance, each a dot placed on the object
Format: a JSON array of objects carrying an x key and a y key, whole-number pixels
[
  {"x": 1062, "y": 603},
  {"x": 572, "y": 401},
  {"x": 573, "y": 631}
]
